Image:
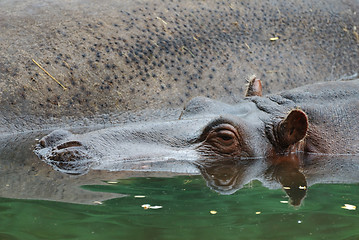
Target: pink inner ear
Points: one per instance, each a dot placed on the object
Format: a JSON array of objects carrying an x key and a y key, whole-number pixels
[
  {"x": 298, "y": 122},
  {"x": 293, "y": 128},
  {"x": 254, "y": 87},
  {"x": 257, "y": 87}
]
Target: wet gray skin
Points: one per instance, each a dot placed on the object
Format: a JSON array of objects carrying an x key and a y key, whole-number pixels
[
  {"x": 24, "y": 176},
  {"x": 321, "y": 118},
  {"x": 144, "y": 146},
  {"x": 119, "y": 56}
]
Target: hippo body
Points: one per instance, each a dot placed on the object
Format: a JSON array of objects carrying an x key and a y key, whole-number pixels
[
  {"x": 321, "y": 118},
  {"x": 117, "y": 56}
]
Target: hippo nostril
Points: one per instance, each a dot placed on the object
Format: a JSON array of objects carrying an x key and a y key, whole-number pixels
[
  {"x": 42, "y": 143},
  {"x": 69, "y": 144}
]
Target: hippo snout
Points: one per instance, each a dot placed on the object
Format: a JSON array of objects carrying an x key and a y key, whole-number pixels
[{"x": 64, "y": 155}]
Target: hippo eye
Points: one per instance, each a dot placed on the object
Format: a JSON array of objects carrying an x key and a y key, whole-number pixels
[
  {"x": 223, "y": 138},
  {"x": 226, "y": 137}
]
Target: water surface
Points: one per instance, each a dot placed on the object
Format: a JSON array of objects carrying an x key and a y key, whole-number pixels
[
  {"x": 255, "y": 212},
  {"x": 214, "y": 201}
]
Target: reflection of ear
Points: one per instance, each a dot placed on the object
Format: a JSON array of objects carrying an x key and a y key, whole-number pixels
[{"x": 292, "y": 129}]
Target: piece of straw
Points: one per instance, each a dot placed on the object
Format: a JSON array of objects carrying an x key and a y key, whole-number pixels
[{"x": 49, "y": 74}]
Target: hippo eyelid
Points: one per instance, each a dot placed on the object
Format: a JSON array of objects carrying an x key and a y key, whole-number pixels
[{"x": 217, "y": 124}]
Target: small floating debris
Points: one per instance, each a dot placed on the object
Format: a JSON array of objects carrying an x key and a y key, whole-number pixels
[
  {"x": 148, "y": 206},
  {"x": 274, "y": 38},
  {"x": 112, "y": 182},
  {"x": 257, "y": 213},
  {"x": 139, "y": 196},
  {"x": 213, "y": 212},
  {"x": 156, "y": 207},
  {"x": 187, "y": 181},
  {"x": 349, "y": 207}
]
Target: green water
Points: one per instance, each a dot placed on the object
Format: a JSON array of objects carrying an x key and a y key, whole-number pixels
[{"x": 254, "y": 212}]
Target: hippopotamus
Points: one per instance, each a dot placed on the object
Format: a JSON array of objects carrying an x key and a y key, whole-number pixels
[{"x": 321, "y": 118}]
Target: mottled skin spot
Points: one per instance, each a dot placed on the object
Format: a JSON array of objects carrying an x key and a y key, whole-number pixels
[{"x": 116, "y": 56}]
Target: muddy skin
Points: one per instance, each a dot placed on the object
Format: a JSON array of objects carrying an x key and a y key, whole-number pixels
[
  {"x": 119, "y": 56},
  {"x": 319, "y": 119}
]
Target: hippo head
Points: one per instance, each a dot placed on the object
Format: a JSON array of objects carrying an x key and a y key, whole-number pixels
[
  {"x": 207, "y": 130},
  {"x": 252, "y": 134},
  {"x": 254, "y": 128}
]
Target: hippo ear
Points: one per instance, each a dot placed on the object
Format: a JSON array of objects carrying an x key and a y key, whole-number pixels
[
  {"x": 254, "y": 87},
  {"x": 292, "y": 129}
]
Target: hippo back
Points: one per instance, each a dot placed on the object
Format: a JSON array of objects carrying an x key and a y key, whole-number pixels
[{"x": 119, "y": 56}]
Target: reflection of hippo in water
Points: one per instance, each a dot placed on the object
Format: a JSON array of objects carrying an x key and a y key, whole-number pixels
[
  {"x": 294, "y": 173},
  {"x": 318, "y": 118}
]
